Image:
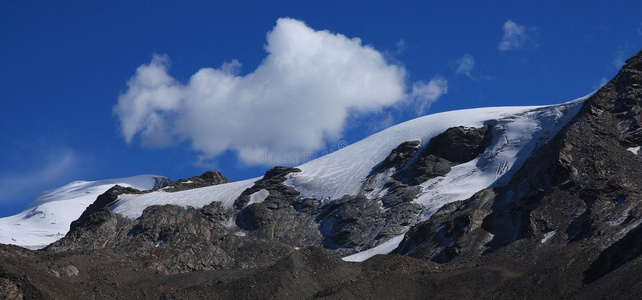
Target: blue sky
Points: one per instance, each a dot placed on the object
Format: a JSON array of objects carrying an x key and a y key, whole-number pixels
[{"x": 93, "y": 91}]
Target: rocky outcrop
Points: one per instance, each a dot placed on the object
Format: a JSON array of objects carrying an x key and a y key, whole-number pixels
[
  {"x": 398, "y": 156},
  {"x": 455, "y": 146},
  {"x": 10, "y": 290},
  {"x": 208, "y": 178},
  {"x": 350, "y": 222},
  {"x": 455, "y": 229},
  {"x": 272, "y": 182},
  {"x": 98, "y": 226},
  {"x": 409, "y": 166},
  {"x": 274, "y": 211},
  {"x": 170, "y": 238},
  {"x": 575, "y": 203}
]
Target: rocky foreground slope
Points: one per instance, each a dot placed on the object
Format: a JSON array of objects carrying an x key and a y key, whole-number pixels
[{"x": 478, "y": 211}]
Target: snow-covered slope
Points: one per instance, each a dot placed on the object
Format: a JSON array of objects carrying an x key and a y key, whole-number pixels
[
  {"x": 518, "y": 131},
  {"x": 48, "y": 217},
  {"x": 132, "y": 206}
]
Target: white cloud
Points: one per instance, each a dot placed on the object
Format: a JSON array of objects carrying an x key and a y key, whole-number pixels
[
  {"x": 465, "y": 65},
  {"x": 515, "y": 37},
  {"x": 400, "y": 46},
  {"x": 425, "y": 94},
  {"x": 297, "y": 99},
  {"x": 57, "y": 166}
]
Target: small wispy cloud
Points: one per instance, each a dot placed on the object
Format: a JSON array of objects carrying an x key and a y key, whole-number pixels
[
  {"x": 56, "y": 166},
  {"x": 465, "y": 65},
  {"x": 516, "y": 37},
  {"x": 400, "y": 46},
  {"x": 425, "y": 94}
]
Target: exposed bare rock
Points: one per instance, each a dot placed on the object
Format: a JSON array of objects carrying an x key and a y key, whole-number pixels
[
  {"x": 9, "y": 290},
  {"x": 208, "y": 178},
  {"x": 455, "y": 146},
  {"x": 575, "y": 204},
  {"x": 399, "y": 156}
]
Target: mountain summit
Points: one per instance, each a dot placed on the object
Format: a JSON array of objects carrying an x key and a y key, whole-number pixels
[{"x": 539, "y": 202}]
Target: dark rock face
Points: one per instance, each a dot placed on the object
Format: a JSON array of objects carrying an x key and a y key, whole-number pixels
[
  {"x": 10, "y": 290},
  {"x": 574, "y": 205},
  {"x": 399, "y": 156},
  {"x": 208, "y": 178},
  {"x": 460, "y": 144},
  {"x": 98, "y": 226},
  {"x": 354, "y": 223},
  {"x": 350, "y": 222},
  {"x": 278, "y": 215},
  {"x": 173, "y": 239},
  {"x": 454, "y": 146},
  {"x": 98, "y": 212},
  {"x": 161, "y": 182},
  {"x": 455, "y": 228},
  {"x": 272, "y": 182}
]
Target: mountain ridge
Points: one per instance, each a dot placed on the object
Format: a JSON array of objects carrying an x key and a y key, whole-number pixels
[{"x": 549, "y": 208}]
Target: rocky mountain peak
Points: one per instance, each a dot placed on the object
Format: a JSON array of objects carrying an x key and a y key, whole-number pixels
[{"x": 563, "y": 222}]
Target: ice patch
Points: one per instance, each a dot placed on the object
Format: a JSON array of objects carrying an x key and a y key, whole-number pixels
[
  {"x": 384, "y": 248},
  {"x": 634, "y": 150},
  {"x": 259, "y": 196},
  {"x": 132, "y": 206},
  {"x": 547, "y": 236}
]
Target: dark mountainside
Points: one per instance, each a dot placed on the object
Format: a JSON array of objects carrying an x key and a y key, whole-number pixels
[{"x": 567, "y": 225}]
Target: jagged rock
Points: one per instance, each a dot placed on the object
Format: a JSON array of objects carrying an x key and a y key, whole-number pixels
[
  {"x": 460, "y": 144},
  {"x": 350, "y": 222},
  {"x": 353, "y": 223},
  {"x": 454, "y": 146},
  {"x": 169, "y": 238},
  {"x": 9, "y": 290},
  {"x": 573, "y": 205},
  {"x": 208, "y": 178},
  {"x": 399, "y": 156},
  {"x": 278, "y": 215},
  {"x": 284, "y": 224},
  {"x": 98, "y": 226},
  {"x": 161, "y": 182},
  {"x": 98, "y": 213},
  {"x": 616, "y": 255},
  {"x": 272, "y": 182},
  {"x": 454, "y": 229},
  {"x": 398, "y": 193}
]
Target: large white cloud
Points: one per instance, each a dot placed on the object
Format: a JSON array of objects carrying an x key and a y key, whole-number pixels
[{"x": 296, "y": 100}]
